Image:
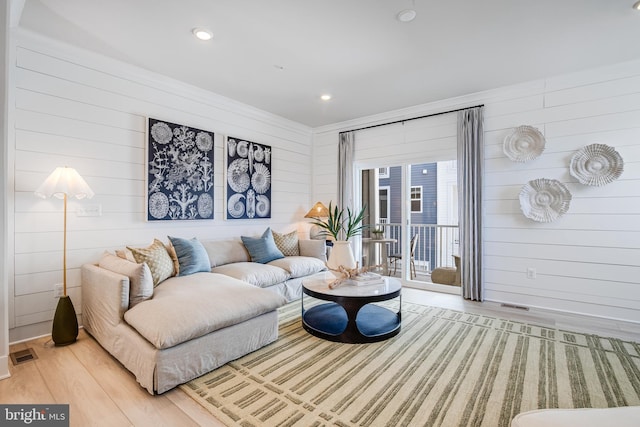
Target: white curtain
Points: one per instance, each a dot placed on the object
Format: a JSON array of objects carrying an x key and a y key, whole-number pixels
[
  {"x": 470, "y": 182},
  {"x": 346, "y": 151}
]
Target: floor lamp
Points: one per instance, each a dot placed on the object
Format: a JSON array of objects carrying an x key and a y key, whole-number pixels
[{"x": 64, "y": 182}]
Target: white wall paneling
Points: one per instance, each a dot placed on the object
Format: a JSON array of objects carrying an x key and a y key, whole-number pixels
[
  {"x": 5, "y": 19},
  {"x": 75, "y": 108},
  {"x": 588, "y": 261}
]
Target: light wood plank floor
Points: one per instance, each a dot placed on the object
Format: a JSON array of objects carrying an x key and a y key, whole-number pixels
[
  {"x": 101, "y": 392},
  {"x": 98, "y": 389}
]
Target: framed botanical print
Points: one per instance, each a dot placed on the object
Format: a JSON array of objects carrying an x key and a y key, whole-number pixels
[
  {"x": 179, "y": 172},
  {"x": 247, "y": 179}
]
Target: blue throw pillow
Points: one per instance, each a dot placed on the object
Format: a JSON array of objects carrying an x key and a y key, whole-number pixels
[
  {"x": 262, "y": 249},
  {"x": 192, "y": 256}
]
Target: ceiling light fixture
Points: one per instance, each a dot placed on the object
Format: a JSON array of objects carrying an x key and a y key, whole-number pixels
[
  {"x": 202, "y": 34},
  {"x": 636, "y": 5},
  {"x": 406, "y": 15},
  {"x": 325, "y": 97}
]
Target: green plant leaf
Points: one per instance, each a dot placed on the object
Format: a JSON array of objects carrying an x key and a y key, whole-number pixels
[
  {"x": 333, "y": 224},
  {"x": 337, "y": 224},
  {"x": 354, "y": 223}
]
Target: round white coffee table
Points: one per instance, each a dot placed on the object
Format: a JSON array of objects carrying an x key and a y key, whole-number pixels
[{"x": 350, "y": 316}]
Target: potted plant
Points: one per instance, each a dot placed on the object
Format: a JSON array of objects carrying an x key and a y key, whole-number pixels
[
  {"x": 377, "y": 232},
  {"x": 341, "y": 227}
]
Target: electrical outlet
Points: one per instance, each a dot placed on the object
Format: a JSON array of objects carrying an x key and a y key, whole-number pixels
[
  {"x": 57, "y": 290},
  {"x": 531, "y": 273}
]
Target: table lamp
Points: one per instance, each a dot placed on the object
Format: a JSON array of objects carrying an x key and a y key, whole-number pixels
[
  {"x": 319, "y": 210},
  {"x": 64, "y": 182}
]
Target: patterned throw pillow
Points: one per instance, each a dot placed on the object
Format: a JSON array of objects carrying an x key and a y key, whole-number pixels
[
  {"x": 158, "y": 260},
  {"x": 287, "y": 243}
]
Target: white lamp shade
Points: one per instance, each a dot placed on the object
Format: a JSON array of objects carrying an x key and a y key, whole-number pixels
[{"x": 64, "y": 180}]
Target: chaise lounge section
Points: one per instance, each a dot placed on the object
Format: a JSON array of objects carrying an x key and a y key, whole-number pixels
[{"x": 191, "y": 324}]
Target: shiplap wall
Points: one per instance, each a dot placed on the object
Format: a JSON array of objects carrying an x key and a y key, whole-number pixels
[
  {"x": 73, "y": 108},
  {"x": 588, "y": 261},
  {"x": 4, "y": 278}
]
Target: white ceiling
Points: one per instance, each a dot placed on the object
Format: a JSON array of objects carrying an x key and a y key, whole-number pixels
[{"x": 353, "y": 49}]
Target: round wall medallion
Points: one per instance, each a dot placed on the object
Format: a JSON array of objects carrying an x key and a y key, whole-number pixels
[
  {"x": 523, "y": 144},
  {"x": 596, "y": 164},
  {"x": 544, "y": 200}
]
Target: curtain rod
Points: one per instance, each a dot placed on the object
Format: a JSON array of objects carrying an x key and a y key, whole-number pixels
[{"x": 412, "y": 118}]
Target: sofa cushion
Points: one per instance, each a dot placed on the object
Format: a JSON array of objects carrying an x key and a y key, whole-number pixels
[
  {"x": 223, "y": 252},
  {"x": 313, "y": 248},
  {"x": 192, "y": 256},
  {"x": 188, "y": 307},
  {"x": 262, "y": 249},
  {"x": 299, "y": 266},
  {"x": 140, "y": 279},
  {"x": 158, "y": 260},
  {"x": 260, "y": 275},
  {"x": 287, "y": 243}
]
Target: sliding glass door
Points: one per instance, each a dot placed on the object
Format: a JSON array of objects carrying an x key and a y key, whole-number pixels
[{"x": 414, "y": 208}]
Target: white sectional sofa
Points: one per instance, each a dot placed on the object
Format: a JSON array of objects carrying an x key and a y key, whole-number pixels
[{"x": 188, "y": 325}]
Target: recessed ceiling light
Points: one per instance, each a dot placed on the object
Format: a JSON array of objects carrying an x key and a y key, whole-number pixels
[
  {"x": 202, "y": 33},
  {"x": 636, "y": 5},
  {"x": 325, "y": 97},
  {"x": 406, "y": 15}
]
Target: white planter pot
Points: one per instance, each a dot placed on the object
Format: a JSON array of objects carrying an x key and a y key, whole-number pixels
[{"x": 341, "y": 255}]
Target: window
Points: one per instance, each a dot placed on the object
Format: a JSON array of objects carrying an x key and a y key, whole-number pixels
[
  {"x": 383, "y": 172},
  {"x": 416, "y": 199},
  {"x": 383, "y": 197}
]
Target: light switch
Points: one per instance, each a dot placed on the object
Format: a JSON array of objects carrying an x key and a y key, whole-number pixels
[{"x": 89, "y": 210}]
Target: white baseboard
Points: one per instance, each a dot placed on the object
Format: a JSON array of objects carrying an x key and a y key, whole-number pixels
[
  {"x": 578, "y": 322},
  {"x": 4, "y": 367},
  {"x": 557, "y": 319}
]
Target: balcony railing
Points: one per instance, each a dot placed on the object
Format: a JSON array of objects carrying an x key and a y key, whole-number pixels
[{"x": 435, "y": 247}]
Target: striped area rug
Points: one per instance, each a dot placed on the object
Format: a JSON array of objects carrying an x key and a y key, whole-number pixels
[{"x": 445, "y": 368}]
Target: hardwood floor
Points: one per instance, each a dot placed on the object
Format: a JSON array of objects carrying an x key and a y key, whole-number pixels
[
  {"x": 101, "y": 392},
  {"x": 98, "y": 389}
]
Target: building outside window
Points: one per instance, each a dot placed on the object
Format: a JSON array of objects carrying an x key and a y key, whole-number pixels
[
  {"x": 416, "y": 199},
  {"x": 383, "y": 196}
]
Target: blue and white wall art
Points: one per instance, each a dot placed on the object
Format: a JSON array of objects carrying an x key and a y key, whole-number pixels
[
  {"x": 179, "y": 172},
  {"x": 248, "y": 179}
]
